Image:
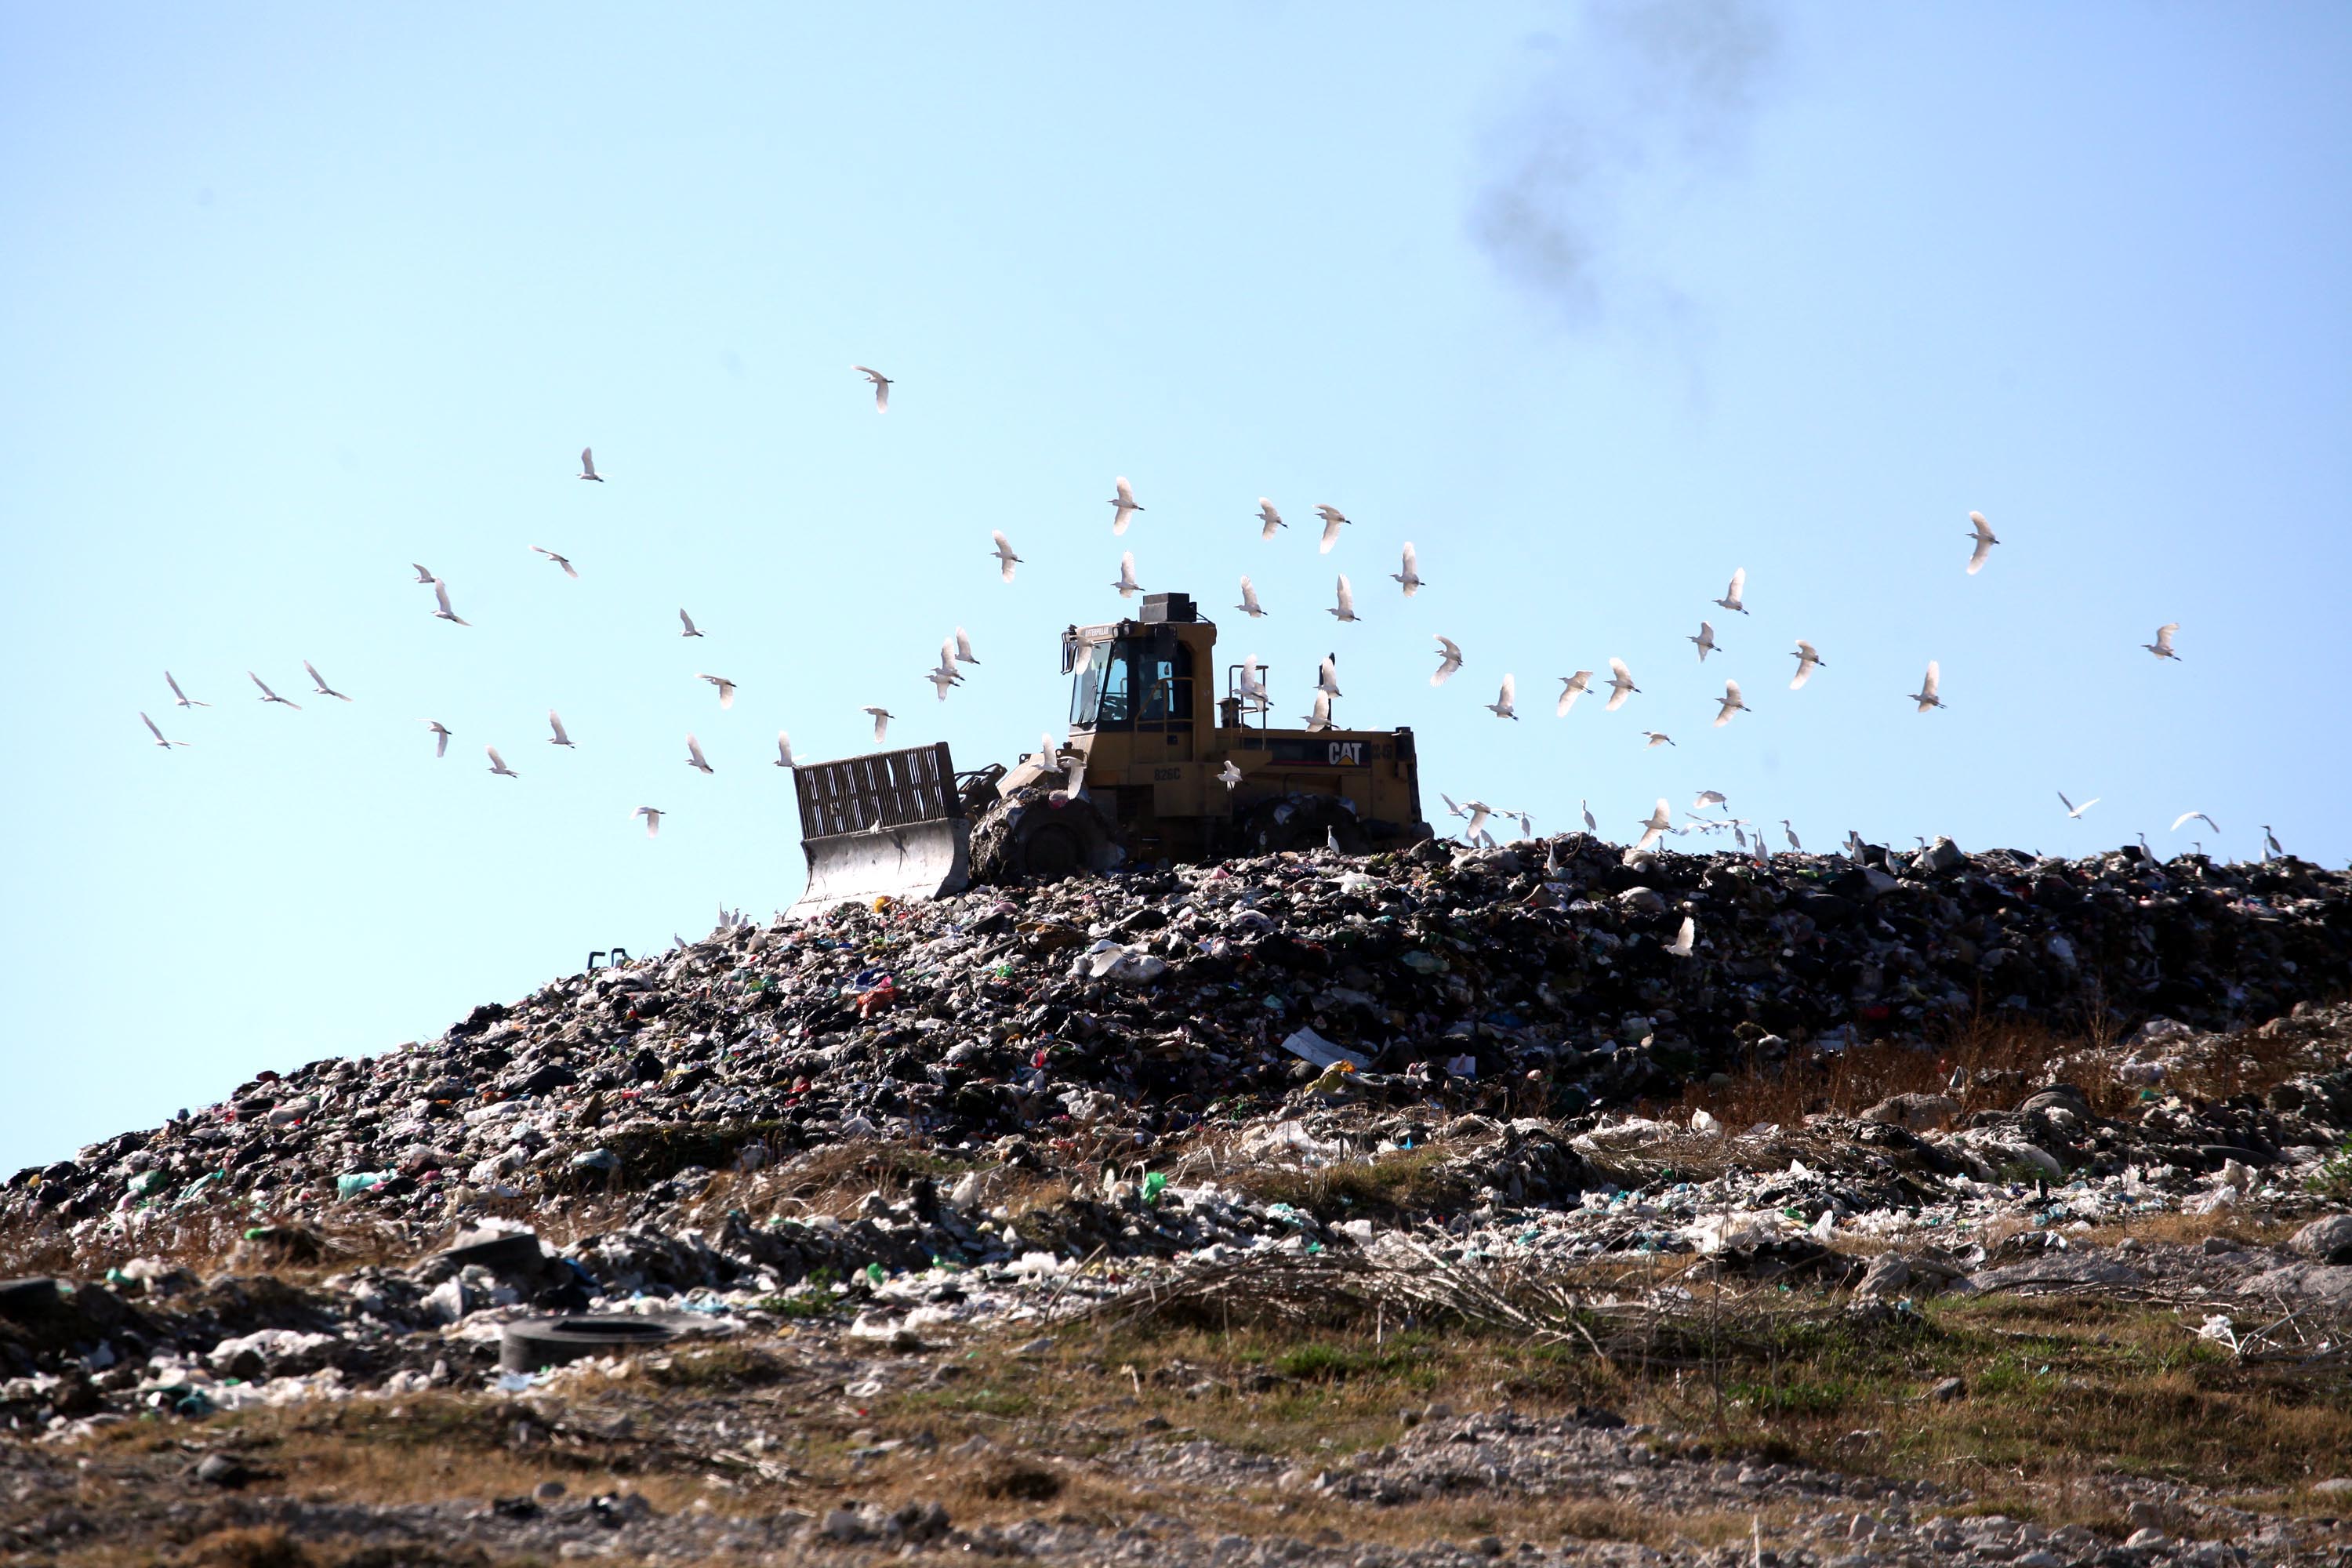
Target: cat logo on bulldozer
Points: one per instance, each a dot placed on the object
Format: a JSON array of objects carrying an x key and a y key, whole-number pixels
[{"x": 1347, "y": 753}]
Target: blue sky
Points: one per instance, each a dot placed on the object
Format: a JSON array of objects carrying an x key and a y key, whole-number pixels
[{"x": 1591, "y": 304}]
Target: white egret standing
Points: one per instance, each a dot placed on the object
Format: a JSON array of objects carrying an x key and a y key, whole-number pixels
[
  {"x": 1791, "y": 834},
  {"x": 1123, "y": 506},
  {"x": 1591, "y": 823},
  {"x": 1449, "y": 659}
]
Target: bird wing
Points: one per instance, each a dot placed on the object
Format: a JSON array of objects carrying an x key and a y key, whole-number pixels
[
  {"x": 1347, "y": 595},
  {"x": 1249, "y": 594},
  {"x": 1984, "y": 529},
  {"x": 557, "y": 725},
  {"x": 440, "y": 742},
  {"x": 964, "y": 646},
  {"x": 422, "y": 574},
  {"x": 498, "y": 763},
  {"x": 316, "y": 679},
  {"x": 1126, "y": 493},
  {"x": 153, "y": 731},
  {"x": 1511, "y": 689},
  {"x": 1617, "y": 668},
  {"x": 587, "y": 460},
  {"x": 1453, "y": 651},
  {"x": 174, "y": 686},
  {"x": 1977, "y": 556},
  {"x": 1411, "y": 562},
  {"x": 1003, "y": 545},
  {"x": 2164, "y": 635},
  {"x": 1739, "y": 580},
  {"x": 1331, "y": 522},
  {"x": 2065, "y": 802},
  {"x": 441, "y": 595},
  {"x": 694, "y": 752},
  {"x": 685, "y": 620},
  {"x": 1271, "y": 518},
  {"x": 783, "y": 748},
  {"x": 1935, "y": 678}
]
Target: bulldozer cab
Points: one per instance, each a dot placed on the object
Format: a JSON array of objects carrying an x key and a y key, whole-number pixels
[{"x": 1135, "y": 679}]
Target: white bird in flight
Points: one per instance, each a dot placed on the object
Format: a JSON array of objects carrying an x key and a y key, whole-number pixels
[
  {"x": 1705, "y": 798},
  {"x": 1346, "y": 610},
  {"x": 1269, "y": 518},
  {"x": 562, "y": 560},
  {"x": 1320, "y": 719},
  {"x": 784, "y": 750},
  {"x": 1704, "y": 641},
  {"x": 1654, "y": 825},
  {"x": 1983, "y": 535},
  {"x": 269, "y": 696},
  {"x": 1005, "y": 560},
  {"x": 441, "y": 597},
  {"x": 167, "y": 745},
  {"x": 1730, "y": 600},
  {"x": 1926, "y": 696},
  {"x": 2162, "y": 646},
  {"x": 1230, "y": 776},
  {"x": 588, "y": 466},
  {"x": 947, "y": 669},
  {"x": 440, "y": 736},
  {"x": 964, "y": 647},
  {"x": 179, "y": 697},
  {"x": 941, "y": 681},
  {"x": 1808, "y": 661},
  {"x": 423, "y": 574},
  {"x": 1474, "y": 813},
  {"x": 556, "y": 724},
  {"x": 320, "y": 682},
  {"x": 882, "y": 717},
  {"x": 1621, "y": 685},
  {"x": 694, "y": 757},
  {"x": 653, "y": 816},
  {"x": 1333, "y": 521},
  {"x": 726, "y": 687},
  {"x": 1571, "y": 687},
  {"x": 499, "y": 764},
  {"x": 2195, "y": 817},
  {"x": 1731, "y": 704},
  {"x": 687, "y": 621},
  {"x": 1502, "y": 707},
  {"x": 1123, "y": 506},
  {"x": 1411, "y": 575},
  {"x": 1449, "y": 658},
  {"x": 1326, "y": 678},
  {"x": 1681, "y": 946},
  {"x": 1127, "y": 585},
  {"x": 1657, "y": 740},
  {"x": 1249, "y": 604},
  {"x": 2074, "y": 811},
  {"x": 881, "y": 387}
]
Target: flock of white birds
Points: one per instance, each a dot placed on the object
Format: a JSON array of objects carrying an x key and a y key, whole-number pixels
[{"x": 956, "y": 651}]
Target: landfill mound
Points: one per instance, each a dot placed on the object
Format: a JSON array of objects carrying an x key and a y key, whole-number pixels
[
  {"x": 1128, "y": 1010},
  {"x": 1417, "y": 1208}
]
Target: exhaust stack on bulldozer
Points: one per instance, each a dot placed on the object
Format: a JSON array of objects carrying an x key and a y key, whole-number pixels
[{"x": 1148, "y": 773}]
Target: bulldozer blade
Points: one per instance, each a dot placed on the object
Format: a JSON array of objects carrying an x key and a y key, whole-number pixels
[{"x": 886, "y": 823}]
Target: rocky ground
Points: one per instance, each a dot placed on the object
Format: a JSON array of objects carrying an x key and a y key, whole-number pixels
[{"x": 1415, "y": 1208}]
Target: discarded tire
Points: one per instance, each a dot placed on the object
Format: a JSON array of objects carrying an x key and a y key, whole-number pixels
[
  {"x": 534, "y": 1342},
  {"x": 501, "y": 1255}
]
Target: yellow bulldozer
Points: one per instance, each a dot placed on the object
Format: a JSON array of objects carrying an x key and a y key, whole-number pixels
[{"x": 1160, "y": 766}]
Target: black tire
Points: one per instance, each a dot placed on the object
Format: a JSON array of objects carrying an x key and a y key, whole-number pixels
[
  {"x": 1035, "y": 839},
  {"x": 504, "y": 1255},
  {"x": 530, "y": 1344},
  {"x": 28, "y": 1298},
  {"x": 1312, "y": 822},
  {"x": 1049, "y": 852}
]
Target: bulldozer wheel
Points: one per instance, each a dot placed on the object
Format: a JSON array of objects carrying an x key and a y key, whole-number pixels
[
  {"x": 1041, "y": 841},
  {"x": 1312, "y": 820},
  {"x": 1050, "y": 853}
]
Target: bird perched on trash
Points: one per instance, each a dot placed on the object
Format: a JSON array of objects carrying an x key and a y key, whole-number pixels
[
  {"x": 1791, "y": 834},
  {"x": 694, "y": 757},
  {"x": 1655, "y": 824},
  {"x": 881, "y": 387},
  {"x": 1656, "y": 739},
  {"x": 882, "y": 717},
  {"x": 1808, "y": 661},
  {"x": 1704, "y": 641},
  {"x": 499, "y": 764},
  {"x": 687, "y": 621},
  {"x": 441, "y": 597},
  {"x": 726, "y": 687},
  {"x": 1231, "y": 776},
  {"x": 1270, "y": 519},
  {"x": 2162, "y": 646},
  {"x": 1591, "y": 823},
  {"x": 653, "y": 816},
  {"x": 562, "y": 560},
  {"x": 1411, "y": 575},
  {"x": 1249, "y": 604},
  {"x": 1449, "y": 658},
  {"x": 784, "y": 750},
  {"x": 269, "y": 696},
  {"x": 1621, "y": 685},
  {"x": 1127, "y": 585},
  {"x": 1005, "y": 560},
  {"x": 1123, "y": 505},
  {"x": 1981, "y": 531},
  {"x": 160, "y": 740},
  {"x": 588, "y": 466},
  {"x": 1346, "y": 609},
  {"x": 1681, "y": 946},
  {"x": 1730, "y": 600},
  {"x": 2195, "y": 817},
  {"x": 1571, "y": 687},
  {"x": 2270, "y": 843},
  {"x": 179, "y": 697},
  {"x": 556, "y": 724},
  {"x": 440, "y": 736},
  {"x": 1502, "y": 707},
  {"x": 1333, "y": 521},
  {"x": 1926, "y": 697},
  {"x": 2074, "y": 811},
  {"x": 320, "y": 683},
  {"x": 1731, "y": 703}
]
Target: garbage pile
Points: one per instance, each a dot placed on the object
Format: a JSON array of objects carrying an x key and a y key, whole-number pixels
[{"x": 1105, "y": 1017}]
